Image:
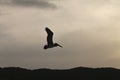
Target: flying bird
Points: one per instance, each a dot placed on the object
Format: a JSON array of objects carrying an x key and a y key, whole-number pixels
[{"x": 50, "y": 43}]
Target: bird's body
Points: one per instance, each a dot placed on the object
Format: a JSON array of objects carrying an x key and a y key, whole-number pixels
[{"x": 50, "y": 43}]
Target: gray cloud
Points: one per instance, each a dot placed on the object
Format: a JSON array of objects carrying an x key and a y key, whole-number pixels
[
  {"x": 29, "y": 3},
  {"x": 3, "y": 33},
  {"x": 90, "y": 36},
  {"x": 89, "y": 49}
]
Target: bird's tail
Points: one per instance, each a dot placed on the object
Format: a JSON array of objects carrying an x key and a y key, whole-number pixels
[{"x": 60, "y": 46}]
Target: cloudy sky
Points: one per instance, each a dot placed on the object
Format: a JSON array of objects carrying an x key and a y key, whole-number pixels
[{"x": 88, "y": 30}]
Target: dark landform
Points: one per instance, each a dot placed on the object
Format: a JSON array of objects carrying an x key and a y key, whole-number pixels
[{"x": 79, "y": 73}]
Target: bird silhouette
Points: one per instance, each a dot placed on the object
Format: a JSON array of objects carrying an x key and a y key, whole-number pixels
[{"x": 50, "y": 43}]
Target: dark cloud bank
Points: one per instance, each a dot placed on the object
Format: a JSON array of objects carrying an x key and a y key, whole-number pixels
[{"x": 29, "y": 3}]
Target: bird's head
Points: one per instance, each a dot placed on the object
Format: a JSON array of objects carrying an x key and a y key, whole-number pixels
[{"x": 46, "y": 46}]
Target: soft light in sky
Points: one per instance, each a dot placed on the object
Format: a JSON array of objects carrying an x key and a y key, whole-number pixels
[{"x": 88, "y": 30}]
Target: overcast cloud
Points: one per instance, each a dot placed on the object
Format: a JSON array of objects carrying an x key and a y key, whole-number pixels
[{"x": 88, "y": 30}]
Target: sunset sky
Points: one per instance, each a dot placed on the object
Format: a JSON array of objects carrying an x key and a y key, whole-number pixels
[{"x": 88, "y": 30}]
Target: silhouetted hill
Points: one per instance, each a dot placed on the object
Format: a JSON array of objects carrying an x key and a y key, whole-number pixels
[{"x": 80, "y": 73}]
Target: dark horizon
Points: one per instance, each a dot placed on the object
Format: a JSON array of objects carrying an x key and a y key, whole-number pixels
[{"x": 16, "y": 73}]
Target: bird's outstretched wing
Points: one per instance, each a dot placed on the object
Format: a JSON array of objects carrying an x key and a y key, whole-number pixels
[{"x": 49, "y": 36}]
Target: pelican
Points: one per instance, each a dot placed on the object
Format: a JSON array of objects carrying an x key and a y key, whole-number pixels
[{"x": 50, "y": 43}]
